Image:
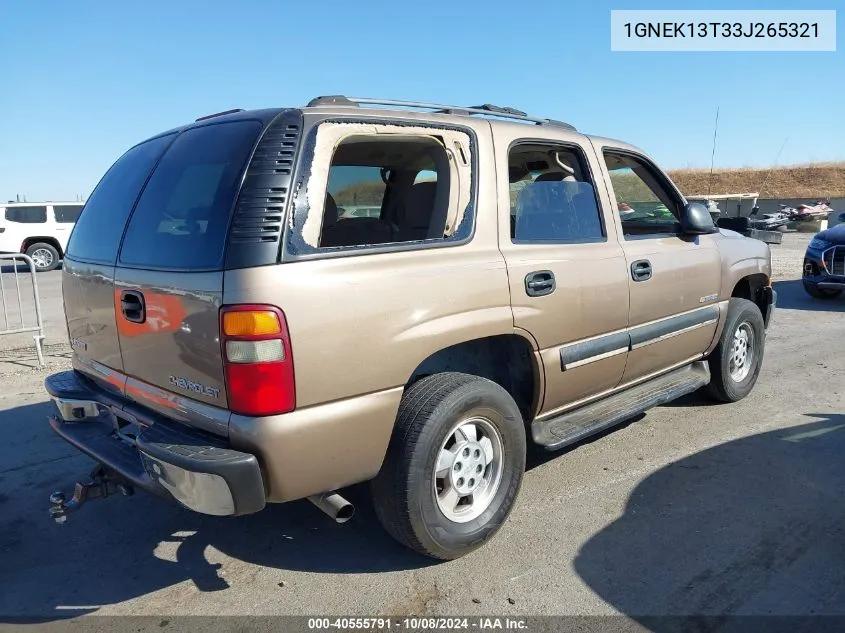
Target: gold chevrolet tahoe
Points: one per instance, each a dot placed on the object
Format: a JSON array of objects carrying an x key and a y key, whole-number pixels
[{"x": 273, "y": 305}]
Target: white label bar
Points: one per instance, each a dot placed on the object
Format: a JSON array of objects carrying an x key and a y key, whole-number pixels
[{"x": 720, "y": 31}]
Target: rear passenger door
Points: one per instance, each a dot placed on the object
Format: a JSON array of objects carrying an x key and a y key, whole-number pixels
[{"x": 566, "y": 269}]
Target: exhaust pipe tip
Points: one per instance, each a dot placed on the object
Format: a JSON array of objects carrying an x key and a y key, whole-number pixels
[
  {"x": 345, "y": 513},
  {"x": 334, "y": 506}
]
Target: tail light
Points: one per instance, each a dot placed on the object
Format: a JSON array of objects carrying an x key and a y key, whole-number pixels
[{"x": 257, "y": 360}]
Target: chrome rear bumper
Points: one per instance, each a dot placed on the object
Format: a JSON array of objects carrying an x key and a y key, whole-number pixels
[{"x": 148, "y": 451}]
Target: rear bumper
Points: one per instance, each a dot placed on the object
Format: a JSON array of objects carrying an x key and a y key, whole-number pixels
[{"x": 198, "y": 470}]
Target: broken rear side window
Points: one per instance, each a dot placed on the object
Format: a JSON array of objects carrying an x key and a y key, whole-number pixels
[
  {"x": 375, "y": 185},
  {"x": 373, "y": 196}
]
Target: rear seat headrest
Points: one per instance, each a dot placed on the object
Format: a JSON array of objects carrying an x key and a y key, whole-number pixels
[
  {"x": 555, "y": 176},
  {"x": 552, "y": 176},
  {"x": 418, "y": 206}
]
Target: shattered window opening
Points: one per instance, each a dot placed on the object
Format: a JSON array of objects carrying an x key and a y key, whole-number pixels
[{"x": 380, "y": 185}]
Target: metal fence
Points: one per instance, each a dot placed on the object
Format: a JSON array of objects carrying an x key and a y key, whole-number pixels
[{"x": 21, "y": 312}]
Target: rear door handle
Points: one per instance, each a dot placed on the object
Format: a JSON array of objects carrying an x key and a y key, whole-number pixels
[
  {"x": 133, "y": 307},
  {"x": 641, "y": 270},
  {"x": 539, "y": 283}
]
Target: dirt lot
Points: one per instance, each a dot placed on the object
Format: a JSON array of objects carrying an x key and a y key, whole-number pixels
[{"x": 690, "y": 509}]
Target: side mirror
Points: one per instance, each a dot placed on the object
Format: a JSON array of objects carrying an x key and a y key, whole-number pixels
[{"x": 696, "y": 219}]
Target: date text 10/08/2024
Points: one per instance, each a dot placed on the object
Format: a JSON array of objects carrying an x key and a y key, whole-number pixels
[{"x": 415, "y": 623}]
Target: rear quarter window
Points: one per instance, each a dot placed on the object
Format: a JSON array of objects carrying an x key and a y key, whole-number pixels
[
  {"x": 67, "y": 214},
  {"x": 182, "y": 218},
  {"x": 27, "y": 215},
  {"x": 97, "y": 233}
]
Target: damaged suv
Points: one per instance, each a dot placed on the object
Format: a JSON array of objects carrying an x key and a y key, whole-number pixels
[{"x": 273, "y": 305}]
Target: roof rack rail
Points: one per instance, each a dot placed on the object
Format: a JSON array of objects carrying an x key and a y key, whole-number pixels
[
  {"x": 330, "y": 100},
  {"x": 216, "y": 114},
  {"x": 499, "y": 109},
  {"x": 485, "y": 109}
]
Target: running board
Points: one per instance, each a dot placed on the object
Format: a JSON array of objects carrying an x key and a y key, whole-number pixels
[{"x": 573, "y": 426}]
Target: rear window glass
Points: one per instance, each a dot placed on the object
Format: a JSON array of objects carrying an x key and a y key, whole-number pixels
[
  {"x": 357, "y": 191},
  {"x": 182, "y": 218},
  {"x": 67, "y": 214},
  {"x": 27, "y": 215},
  {"x": 96, "y": 235}
]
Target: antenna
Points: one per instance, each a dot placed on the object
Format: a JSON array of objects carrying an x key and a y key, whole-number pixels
[
  {"x": 713, "y": 153},
  {"x": 768, "y": 173}
]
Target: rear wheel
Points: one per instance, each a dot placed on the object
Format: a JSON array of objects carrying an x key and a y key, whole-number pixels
[
  {"x": 44, "y": 256},
  {"x": 454, "y": 465},
  {"x": 820, "y": 293},
  {"x": 736, "y": 361}
]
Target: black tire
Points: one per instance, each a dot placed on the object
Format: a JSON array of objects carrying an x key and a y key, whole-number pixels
[
  {"x": 723, "y": 387},
  {"x": 820, "y": 293},
  {"x": 404, "y": 490},
  {"x": 53, "y": 255}
]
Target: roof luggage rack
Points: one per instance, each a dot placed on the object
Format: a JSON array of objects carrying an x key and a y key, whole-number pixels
[{"x": 486, "y": 109}]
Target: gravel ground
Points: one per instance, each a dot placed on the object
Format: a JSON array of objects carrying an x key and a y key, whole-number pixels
[{"x": 788, "y": 257}]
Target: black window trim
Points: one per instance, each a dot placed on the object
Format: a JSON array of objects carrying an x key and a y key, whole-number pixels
[
  {"x": 306, "y": 156},
  {"x": 661, "y": 179},
  {"x": 585, "y": 164}
]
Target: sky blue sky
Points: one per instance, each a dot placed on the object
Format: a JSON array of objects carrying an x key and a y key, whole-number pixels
[{"x": 84, "y": 80}]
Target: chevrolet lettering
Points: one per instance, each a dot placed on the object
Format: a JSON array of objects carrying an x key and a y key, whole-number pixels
[{"x": 184, "y": 383}]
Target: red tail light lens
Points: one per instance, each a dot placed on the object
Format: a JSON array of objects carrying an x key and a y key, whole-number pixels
[{"x": 257, "y": 359}]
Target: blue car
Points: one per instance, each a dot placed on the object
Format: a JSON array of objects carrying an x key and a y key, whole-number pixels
[{"x": 824, "y": 263}]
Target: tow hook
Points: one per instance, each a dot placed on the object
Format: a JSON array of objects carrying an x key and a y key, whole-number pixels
[{"x": 100, "y": 486}]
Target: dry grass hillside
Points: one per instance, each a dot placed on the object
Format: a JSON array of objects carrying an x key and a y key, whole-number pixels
[
  {"x": 810, "y": 181},
  {"x": 814, "y": 180}
]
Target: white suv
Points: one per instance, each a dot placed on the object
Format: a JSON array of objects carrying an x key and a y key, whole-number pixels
[{"x": 41, "y": 230}]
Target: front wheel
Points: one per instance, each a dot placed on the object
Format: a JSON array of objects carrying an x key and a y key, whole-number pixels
[
  {"x": 736, "y": 361},
  {"x": 453, "y": 467}
]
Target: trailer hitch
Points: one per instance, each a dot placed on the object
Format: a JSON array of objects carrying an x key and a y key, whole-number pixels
[{"x": 100, "y": 486}]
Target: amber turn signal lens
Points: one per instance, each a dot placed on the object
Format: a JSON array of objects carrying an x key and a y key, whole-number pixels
[{"x": 250, "y": 323}]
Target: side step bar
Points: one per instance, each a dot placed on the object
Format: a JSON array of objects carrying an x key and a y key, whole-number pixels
[{"x": 573, "y": 426}]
